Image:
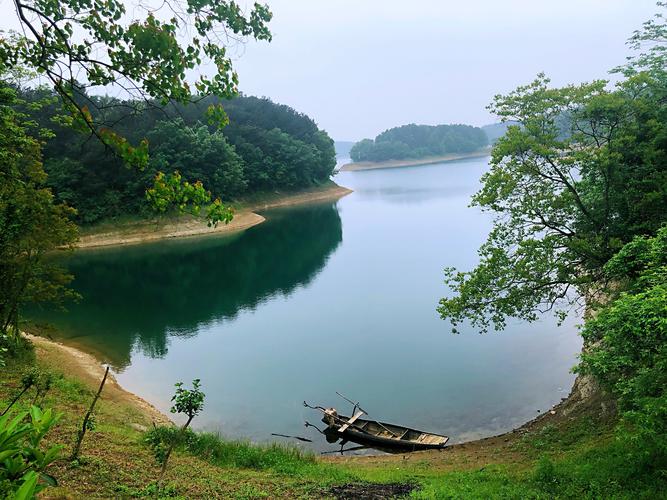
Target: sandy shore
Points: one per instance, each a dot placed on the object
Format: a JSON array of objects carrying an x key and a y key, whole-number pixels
[
  {"x": 372, "y": 165},
  {"x": 87, "y": 369},
  {"x": 147, "y": 231}
]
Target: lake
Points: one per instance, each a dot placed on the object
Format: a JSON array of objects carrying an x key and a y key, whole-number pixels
[{"x": 321, "y": 298}]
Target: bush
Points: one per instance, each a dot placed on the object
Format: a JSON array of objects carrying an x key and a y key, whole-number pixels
[{"x": 628, "y": 351}]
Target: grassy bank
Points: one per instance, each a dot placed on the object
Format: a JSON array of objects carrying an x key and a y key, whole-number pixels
[
  {"x": 133, "y": 229},
  {"x": 566, "y": 453},
  {"x": 430, "y": 160}
]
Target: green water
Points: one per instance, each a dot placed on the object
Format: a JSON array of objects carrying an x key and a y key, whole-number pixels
[{"x": 322, "y": 298}]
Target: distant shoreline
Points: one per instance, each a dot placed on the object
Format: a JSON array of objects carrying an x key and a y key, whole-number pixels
[
  {"x": 146, "y": 231},
  {"x": 372, "y": 165}
]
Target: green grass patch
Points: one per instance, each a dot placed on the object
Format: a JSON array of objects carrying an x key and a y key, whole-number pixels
[{"x": 215, "y": 449}]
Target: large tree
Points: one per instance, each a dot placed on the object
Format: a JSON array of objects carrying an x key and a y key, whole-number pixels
[
  {"x": 32, "y": 225},
  {"x": 148, "y": 54},
  {"x": 582, "y": 172}
]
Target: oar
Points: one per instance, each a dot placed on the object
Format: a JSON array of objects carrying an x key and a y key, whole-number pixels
[
  {"x": 354, "y": 448},
  {"x": 305, "y": 440}
]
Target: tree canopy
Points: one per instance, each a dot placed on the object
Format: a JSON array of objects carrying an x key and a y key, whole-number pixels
[
  {"x": 32, "y": 223},
  {"x": 85, "y": 44},
  {"x": 266, "y": 146},
  {"x": 148, "y": 56},
  {"x": 565, "y": 201}
]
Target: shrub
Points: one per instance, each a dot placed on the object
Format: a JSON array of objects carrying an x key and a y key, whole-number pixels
[
  {"x": 628, "y": 351},
  {"x": 22, "y": 460}
]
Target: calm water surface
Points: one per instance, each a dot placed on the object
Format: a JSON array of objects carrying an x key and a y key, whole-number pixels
[{"x": 322, "y": 298}]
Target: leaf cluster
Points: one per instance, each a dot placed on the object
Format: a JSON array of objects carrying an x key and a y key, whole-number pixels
[
  {"x": 188, "y": 401},
  {"x": 22, "y": 460}
]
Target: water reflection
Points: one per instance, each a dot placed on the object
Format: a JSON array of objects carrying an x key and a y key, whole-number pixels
[{"x": 174, "y": 288}]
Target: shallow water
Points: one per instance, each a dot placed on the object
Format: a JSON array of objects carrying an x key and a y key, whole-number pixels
[{"x": 322, "y": 298}]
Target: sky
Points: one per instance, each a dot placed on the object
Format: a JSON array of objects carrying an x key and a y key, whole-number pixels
[{"x": 358, "y": 67}]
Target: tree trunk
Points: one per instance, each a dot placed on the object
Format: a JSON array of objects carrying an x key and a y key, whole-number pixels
[
  {"x": 82, "y": 432},
  {"x": 171, "y": 448}
]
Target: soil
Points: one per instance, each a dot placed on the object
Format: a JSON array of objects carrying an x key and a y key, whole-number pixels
[{"x": 368, "y": 491}]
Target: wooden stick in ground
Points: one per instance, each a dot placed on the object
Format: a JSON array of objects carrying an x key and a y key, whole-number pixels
[
  {"x": 84, "y": 426},
  {"x": 18, "y": 396},
  {"x": 172, "y": 445}
]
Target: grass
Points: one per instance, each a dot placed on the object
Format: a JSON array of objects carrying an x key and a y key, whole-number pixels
[
  {"x": 574, "y": 457},
  {"x": 239, "y": 454}
]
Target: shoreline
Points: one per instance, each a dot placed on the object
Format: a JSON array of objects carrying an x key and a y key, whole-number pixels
[
  {"x": 87, "y": 368},
  {"x": 372, "y": 165},
  {"x": 148, "y": 231}
]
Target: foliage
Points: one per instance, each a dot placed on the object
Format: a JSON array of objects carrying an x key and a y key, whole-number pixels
[
  {"x": 32, "y": 224},
  {"x": 651, "y": 41},
  {"x": 168, "y": 190},
  {"x": 79, "y": 45},
  {"x": 419, "y": 141},
  {"x": 22, "y": 460},
  {"x": 565, "y": 200},
  {"x": 188, "y": 401},
  {"x": 104, "y": 45},
  {"x": 628, "y": 348},
  {"x": 265, "y": 147},
  {"x": 205, "y": 155}
]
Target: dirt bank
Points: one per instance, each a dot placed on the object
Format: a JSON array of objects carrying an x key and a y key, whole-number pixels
[
  {"x": 134, "y": 232},
  {"x": 85, "y": 368}
]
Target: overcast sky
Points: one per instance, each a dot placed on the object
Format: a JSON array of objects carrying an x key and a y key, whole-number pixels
[{"x": 360, "y": 66}]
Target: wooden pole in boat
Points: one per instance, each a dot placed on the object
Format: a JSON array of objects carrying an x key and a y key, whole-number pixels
[{"x": 356, "y": 405}]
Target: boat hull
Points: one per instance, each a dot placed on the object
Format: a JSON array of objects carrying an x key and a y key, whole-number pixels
[{"x": 383, "y": 436}]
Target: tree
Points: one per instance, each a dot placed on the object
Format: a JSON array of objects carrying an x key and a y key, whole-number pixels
[
  {"x": 32, "y": 225},
  {"x": 77, "y": 45},
  {"x": 246, "y": 156},
  {"x": 204, "y": 155},
  {"x": 99, "y": 43},
  {"x": 582, "y": 172},
  {"x": 189, "y": 402}
]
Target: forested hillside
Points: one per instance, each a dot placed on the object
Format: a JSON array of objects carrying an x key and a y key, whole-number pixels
[
  {"x": 265, "y": 146},
  {"x": 495, "y": 131},
  {"x": 419, "y": 141}
]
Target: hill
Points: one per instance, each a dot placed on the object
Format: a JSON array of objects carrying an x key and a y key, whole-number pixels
[
  {"x": 419, "y": 141},
  {"x": 266, "y": 147}
]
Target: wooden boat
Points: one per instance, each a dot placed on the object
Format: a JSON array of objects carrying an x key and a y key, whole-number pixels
[{"x": 379, "y": 435}]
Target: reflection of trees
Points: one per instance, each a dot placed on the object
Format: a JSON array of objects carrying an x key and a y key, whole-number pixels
[{"x": 140, "y": 295}]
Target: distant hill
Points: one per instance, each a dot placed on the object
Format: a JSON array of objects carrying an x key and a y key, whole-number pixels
[
  {"x": 419, "y": 141},
  {"x": 343, "y": 148},
  {"x": 495, "y": 131}
]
